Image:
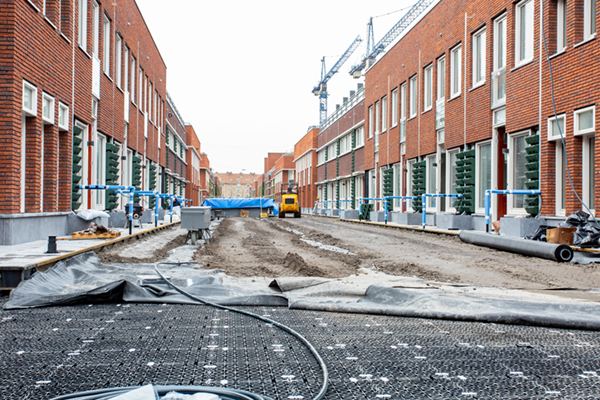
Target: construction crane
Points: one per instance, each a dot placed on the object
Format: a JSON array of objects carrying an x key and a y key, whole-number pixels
[
  {"x": 373, "y": 51},
  {"x": 321, "y": 88}
]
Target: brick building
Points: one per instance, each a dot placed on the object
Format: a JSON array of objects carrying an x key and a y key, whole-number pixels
[
  {"x": 205, "y": 178},
  {"x": 340, "y": 154},
  {"x": 284, "y": 171},
  {"x": 237, "y": 185},
  {"x": 463, "y": 100},
  {"x": 267, "y": 188},
  {"x": 84, "y": 102},
  {"x": 305, "y": 159},
  {"x": 194, "y": 161}
]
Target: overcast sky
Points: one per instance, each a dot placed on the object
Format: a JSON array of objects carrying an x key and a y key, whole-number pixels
[{"x": 242, "y": 71}]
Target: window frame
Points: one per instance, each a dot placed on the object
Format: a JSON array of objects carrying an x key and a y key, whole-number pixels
[
  {"x": 561, "y": 184},
  {"x": 478, "y": 147},
  {"x": 65, "y": 124},
  {"x": 556, "y": 135},
  {"x": 106, "y": 48},
  {"x": 394, "y": 107},
  {"x": 50, "y": 119},
  {"x": 521, "y": 59},
  {"x": 428, "y": 88},
  {"x": 479, "y": 57},
  {"x": 561, "y": 26},
  {"x": 588, "y": 179},
  {"x": 82, "y": 24},
  {"x": 576, "y": 115},
  {"x": 96, "y": 29},
  {"x": 413, "y": 97},
  {"x": 455, "y": 71},
  {"x": 118, "y": 59},
  {"x": 441, "y": 78},
  {"x": 510, "y": 172},
  {"x": 589, "y": 19},
  {"x": 31, "y": 112},
  {"x": 371, "y": 125},
  {"x": 377, "y": 118},
  {"x": 384, "y": 110},
  {"x": 402, "y": 133}
]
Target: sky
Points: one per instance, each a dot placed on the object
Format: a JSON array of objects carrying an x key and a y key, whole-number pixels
[{"x": 242, "y": 71}]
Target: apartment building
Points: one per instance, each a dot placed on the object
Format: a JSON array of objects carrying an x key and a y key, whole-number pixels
[
  {"x": 305, "y": 159},
  {"x": 463, "y": 103},
  {"x": 283, "y": 172},
  {"x": 237, "y": 185},
  {"x": 340, "y": 155},
  {"x": 194, "y": 160},
  {"x": 86, "y": 104}
]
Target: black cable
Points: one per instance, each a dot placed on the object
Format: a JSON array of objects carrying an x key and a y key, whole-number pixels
[
  {"x": 285, "y": 328},
  {"x": 562, "y": 137}
]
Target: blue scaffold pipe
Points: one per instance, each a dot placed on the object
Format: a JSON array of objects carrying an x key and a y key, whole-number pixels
[
  {"x": 504, "y": 192},
  {"x": 385, "y": 199},
  {"x": 156, "y": 198},
  {"x": 171, "y": 217},
  {"x": 131, "y": 212},
  {"x": 424, "y": 199}
]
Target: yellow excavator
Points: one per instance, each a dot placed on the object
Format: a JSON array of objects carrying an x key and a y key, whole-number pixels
[{"x": 289, "y": 200}]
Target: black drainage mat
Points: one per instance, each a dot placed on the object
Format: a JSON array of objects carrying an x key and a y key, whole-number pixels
[{"x": 51, "y": 351}]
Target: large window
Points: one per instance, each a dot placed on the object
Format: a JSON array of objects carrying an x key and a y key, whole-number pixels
[
  {"x": 561, "y": 25},
  {"x": 584, "y": 121},
  {"x": 106, "y": 50},
  {"x": 524, "y": 32},
  {"x": 441, "y": 78},
  {"x": 499, "y": 70},
  {"x": 403, "y": 113},
  {"x": 451, "y": 177},
  {"x": 118, "y": 52},
  {"x": 455, "y": 71},
  {"x": 384, "y": 113},
  {"x": 377, "y": 119},
  {"x": 95, "y": 29},
  {"x": 371, "y": 125},
  {"x": 413, "y": 96},
  {"x": 394, "y": 107},
  {"x": 483, "y": 172},
  {"x": 517, "y": 170},
  {"x": 589, "y": 19},
  {"x": 479, "y": 58},
  {"x": 428, "y": 85},
  {"x": 82, "y": 24}
]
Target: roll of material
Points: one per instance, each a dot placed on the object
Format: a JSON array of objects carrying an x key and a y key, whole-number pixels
[{"x": 532, "y": 248}]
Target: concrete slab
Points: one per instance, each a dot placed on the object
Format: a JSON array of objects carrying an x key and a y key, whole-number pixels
[
  {"x": 453, "y": 221},
  {"x": 349, "y": 214},
  {"x": 520, "y": 227},
  {"x": 377, "y": 216}
]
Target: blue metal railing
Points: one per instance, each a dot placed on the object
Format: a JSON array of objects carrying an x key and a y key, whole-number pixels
[
  {"x": 424, "y": 204},
  {"x": 503, "y": 192},
  {"x": 125, "y": 189}
]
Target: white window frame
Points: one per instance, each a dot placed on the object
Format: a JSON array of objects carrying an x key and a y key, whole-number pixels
[
  {"x": 140, "y": 98},
  {"x": 428, "y": 84},
  {"x": 118, "y": 59},
  {"x": 588, "y": 191},
  {"x": 413, "y": 96},
  {"x": 384, "y": 114},
  {"x": 559, "y": 159},
  {"x": 449, "y": 168},
  {"x": 409, "y": 186},
  {"x": 441, "y": 78},
  {"x": 589, "y": 19},
  {"x": 556, "y": 135},
  {"x": 82, "y": 25},
  {"x": 63, "y": 116},
  {"x": 394, "y": 107},
  {"x": 527, "y": 36},
  {"x": 126, "y": 71},
  {"x": 576, "y": 115},
  {"x": 133, "y": 73},
  {"x": 478, "y": 147},
  {"x": 106, "y": 51},
  {"x": 96, "y": 30},
  {"x": 561, "y": 26},
  {"x": 455, "y": 71},
  {"x": 510, "y": 172},
  {"x": 479, "y": 60},
  {"x": 360, "y": 136},
  {"x": 377, "y": 118},
  {"x": 31, "y": 112},
  {"x": 402, "y": 133},
  {"x": 431, "y": 202},
  {"x": 50, "y": 118}
]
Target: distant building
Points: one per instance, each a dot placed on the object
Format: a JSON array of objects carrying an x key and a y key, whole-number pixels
[
  {"x": 305, "y": 160},
  {"x": 237, "y": 185}
]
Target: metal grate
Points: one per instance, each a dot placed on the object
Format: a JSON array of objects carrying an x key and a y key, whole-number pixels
[{"x": 50, "y": 351}]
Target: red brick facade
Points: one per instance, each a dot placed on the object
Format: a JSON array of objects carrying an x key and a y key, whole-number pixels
[{"x": 305, "y": 159}]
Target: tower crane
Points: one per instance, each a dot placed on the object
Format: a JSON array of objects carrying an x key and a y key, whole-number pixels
[
  {"x": 321, "y": 88},
  {"x": 373, "y": 51}
]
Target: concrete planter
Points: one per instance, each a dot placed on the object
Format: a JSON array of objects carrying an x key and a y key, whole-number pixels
[
  {"x": 478, "y": 222},
  {"x": 349, "y": 214},
  {"x": 430, "y": 219},
  {"x": 406, "y": 218},
  {"x": 377, "y": 216},
  {"x": 22, "y": 228},
  {"x": 322, "y": 211},
  {"x": 333, "y": 212},
  {"x": 453, "y": 221},
  {"x": 520, "y": 227}
]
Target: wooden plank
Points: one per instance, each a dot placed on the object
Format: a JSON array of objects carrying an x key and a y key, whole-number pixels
[{"x": 78, "y": 235}]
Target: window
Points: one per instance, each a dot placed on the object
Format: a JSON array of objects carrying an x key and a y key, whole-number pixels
[
  {"x": 499, "y": 70},
  {"x": 561, "y": 26},
  {"x": 441, "y": 78},
  {"x": 360, "y": 136},
  {"x": 455, "y": 71},
  {"x": 394, "y": 107},
  {"x": 517, "y": 170},
  {"x": 82, "y": 25},
  {"x": 331, "y": 151},
  {"x": 413, "y": 96},
  {"x": 132, "y": 79},
  {"x": 589, "y": 171},
  {"x": 431, "y": 180},
  {"x": 589, "y": 19},
  {"x": 451, "y": 177},
  {"x": 377, "y": 119},
  {"x": 118, "y": 52},
  {"x": 403, "y": 113},
  {"x": 96, "y": 30},
  {"x": 428, "y": 84},
  {"x": 561, "y": 179},
  {"x": 584, "y": 121},
  {"x": 479, "y": 58},
  {"x": 483, "y": 172},
  {"x": 384, "y": 113},
  {"x": 106, "y": 50},
  {"x": 370, "y": 122},
  {"x": 141, "y": 89},
  {"x": 524, "y": 32},
  {"x": 63, "y": 116},
  {"x": 150, "y": 93},
  {"x": 29, "y": 99},
  {"x": 556, "y": 127},
  {"x": 48, "y": 108},
  {"x": 126, "y": 71}
]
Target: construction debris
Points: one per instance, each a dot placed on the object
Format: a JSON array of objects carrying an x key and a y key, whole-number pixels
[{"x": 96, "y": 231}]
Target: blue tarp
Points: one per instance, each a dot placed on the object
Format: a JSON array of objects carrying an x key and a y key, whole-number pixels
[{"x": 221, "y": 204}]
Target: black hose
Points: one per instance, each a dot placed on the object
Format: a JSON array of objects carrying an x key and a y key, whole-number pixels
[{"x": 304, "y": 341}]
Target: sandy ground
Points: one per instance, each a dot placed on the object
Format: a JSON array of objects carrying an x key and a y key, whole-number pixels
[{"x": 329, "y": 248}]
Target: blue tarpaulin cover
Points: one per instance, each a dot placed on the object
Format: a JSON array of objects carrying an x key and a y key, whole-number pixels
[{"x": 220, "y": 204}]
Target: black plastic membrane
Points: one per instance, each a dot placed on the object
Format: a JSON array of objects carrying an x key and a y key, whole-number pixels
[{"x": 47, "y": 352}]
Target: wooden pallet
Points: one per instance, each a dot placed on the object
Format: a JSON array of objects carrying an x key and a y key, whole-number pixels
[{"x": 78, "y": 235}]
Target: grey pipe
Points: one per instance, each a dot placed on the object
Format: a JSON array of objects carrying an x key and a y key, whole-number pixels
[{"x": 532, "y": 248}]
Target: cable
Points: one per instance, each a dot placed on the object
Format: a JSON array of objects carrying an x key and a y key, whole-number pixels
[
  {"x": 305, "y": 341},
  {"x": 393, "y": 12},
  {"x": 562, "y": 137}
]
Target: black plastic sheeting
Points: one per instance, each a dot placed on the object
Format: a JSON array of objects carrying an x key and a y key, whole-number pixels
[{"x": 82, "y": 279}]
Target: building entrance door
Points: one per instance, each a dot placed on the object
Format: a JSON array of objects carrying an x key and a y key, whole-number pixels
[{"x": 502, "y": 169}]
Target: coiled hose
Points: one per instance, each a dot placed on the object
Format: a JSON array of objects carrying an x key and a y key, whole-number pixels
[{"x": 234, "y": 394}]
